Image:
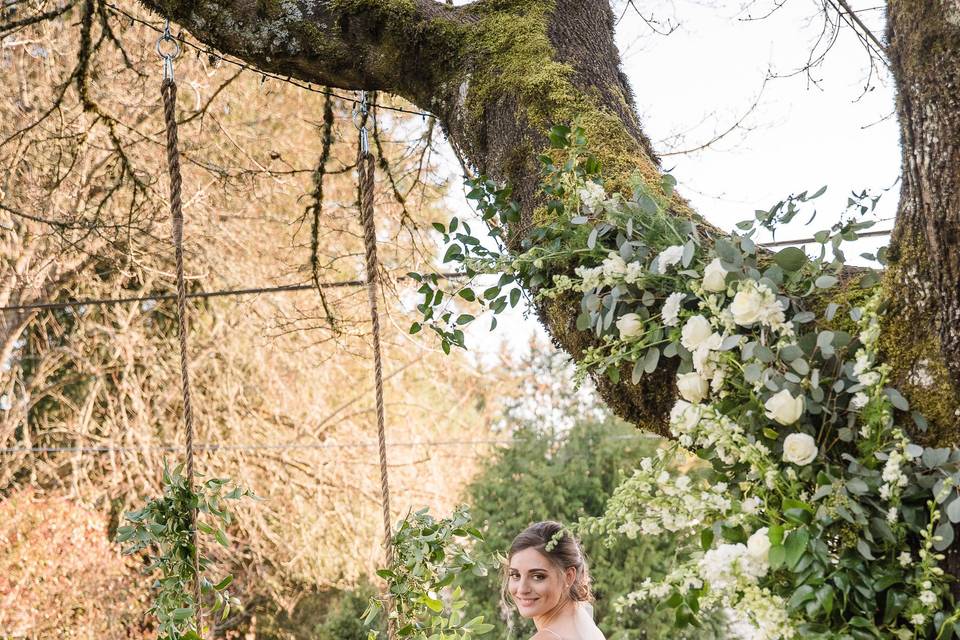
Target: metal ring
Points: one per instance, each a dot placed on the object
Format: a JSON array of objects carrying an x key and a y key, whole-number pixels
[{"x": 175, "y": 52}]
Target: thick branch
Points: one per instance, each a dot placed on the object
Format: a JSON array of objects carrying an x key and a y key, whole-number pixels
[{"x": 401, "y": 46}]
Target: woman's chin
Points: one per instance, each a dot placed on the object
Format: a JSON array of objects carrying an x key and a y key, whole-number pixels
[{"x": 527, "y": 610}]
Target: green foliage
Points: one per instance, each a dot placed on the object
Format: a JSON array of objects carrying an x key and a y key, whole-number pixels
[
  {"x": 163, "y": 528},
  {"x": 544, "y": 476},
  {"x": 429, "y": 555}
]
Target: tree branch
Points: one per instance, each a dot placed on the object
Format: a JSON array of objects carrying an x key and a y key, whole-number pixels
[{"x": 349, "y": 44}]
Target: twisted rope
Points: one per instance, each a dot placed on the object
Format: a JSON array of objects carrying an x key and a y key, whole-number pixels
[
  {"x": 365, "y": 166},
  {"x": 169, "y": 91}
]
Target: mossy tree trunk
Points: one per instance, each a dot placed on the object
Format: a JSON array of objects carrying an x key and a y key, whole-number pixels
[
  {"x": 921, "y": 337},
  {"x": 499, "y": 73}
]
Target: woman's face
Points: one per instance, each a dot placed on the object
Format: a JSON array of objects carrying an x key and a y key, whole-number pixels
[{"x": 534, "y": 583}]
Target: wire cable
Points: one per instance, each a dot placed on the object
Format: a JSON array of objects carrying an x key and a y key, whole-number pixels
[
  {"x": 164, "y": 297},
  {"x": 283, "y": 447}
]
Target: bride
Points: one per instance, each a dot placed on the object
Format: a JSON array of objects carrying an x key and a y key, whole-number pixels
[{"x": 547, "y": 579}]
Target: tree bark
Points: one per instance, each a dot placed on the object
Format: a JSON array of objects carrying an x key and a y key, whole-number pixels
[
  {"x": 921, "y": 338},
  {"x": 922, "y": 329}
]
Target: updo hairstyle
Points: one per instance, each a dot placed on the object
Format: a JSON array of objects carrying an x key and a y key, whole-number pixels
[{"x": 563, "y": 550}]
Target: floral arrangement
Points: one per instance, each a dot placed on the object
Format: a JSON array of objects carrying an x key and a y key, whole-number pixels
[{"x": 819, "y": 517}]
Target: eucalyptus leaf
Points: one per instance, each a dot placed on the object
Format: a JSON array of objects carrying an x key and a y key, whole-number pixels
[
  {"x": 825, "y": 281},
  {"x": 945, "y": 534},
  {"x": 790, "y": 258}
]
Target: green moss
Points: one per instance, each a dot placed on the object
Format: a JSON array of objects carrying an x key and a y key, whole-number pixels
[
  {"x": 382, "y": 8},
  {"x": 909, "y": 343},
  {"x": 520, "y": 63},
  {"x": 849, "y": 295}
]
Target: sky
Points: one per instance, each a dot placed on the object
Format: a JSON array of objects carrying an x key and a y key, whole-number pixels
[{"x": 704, "y": 77}]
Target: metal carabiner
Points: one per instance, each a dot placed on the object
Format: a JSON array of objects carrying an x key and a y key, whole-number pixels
[
  {"x": 169, "y": 55},
  {"x": 361, "y": 112}
]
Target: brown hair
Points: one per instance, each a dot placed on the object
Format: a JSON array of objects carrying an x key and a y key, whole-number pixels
[{"x": 561, "y": 548}]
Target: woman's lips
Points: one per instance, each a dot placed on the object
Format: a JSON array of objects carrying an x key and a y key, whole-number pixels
[{"x": 526, "y": 602}]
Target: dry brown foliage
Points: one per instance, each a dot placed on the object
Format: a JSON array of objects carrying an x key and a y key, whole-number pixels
[
  {"x": 284, "y": 395},
  {"x": 60, "y": 577}
]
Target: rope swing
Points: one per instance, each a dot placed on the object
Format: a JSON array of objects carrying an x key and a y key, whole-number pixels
[
  {"x": 365, "y": 169},
  {"x": 168, "y": 48},
  {"x": 168, "y": 90}
]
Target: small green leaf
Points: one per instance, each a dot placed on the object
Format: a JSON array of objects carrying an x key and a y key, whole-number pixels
[
  {"x": 825, "y": 282},
  {"x": 223, "y": 584},
  {"x": 795, "y": 546},
  {"x": 777, "y": 556},
  {"x": 896, "y": 399},
  {"x": 790, "y": 259}
]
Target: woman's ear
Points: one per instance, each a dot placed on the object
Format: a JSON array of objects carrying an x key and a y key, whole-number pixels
[{"x": 570, "y": 576}]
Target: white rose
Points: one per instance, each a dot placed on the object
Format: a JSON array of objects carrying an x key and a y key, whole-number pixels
[
  {"x": 671, "y": 307},
  {"x": 692, "y": 387},
  {"x": 669, "y": 257},
  {"x": 784, "y": 408},
  {"x": 800, "y": 449},
  {"x": 747, "y": 306},
  {"x": 695, "y": 332},
  {"x": 630, "y": 325},
  {"x": 758, "y": 545},
  {"x": 715, "y": 276}
]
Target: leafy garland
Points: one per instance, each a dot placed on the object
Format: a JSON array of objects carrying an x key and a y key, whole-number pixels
[
  {"x": 162, "y": 527},
  {"x": 822, "y": 519},
  {"x": 429, "y": 556}
]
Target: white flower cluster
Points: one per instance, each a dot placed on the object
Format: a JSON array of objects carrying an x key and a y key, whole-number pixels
[
  {"x": 893, "y": 477},
  {"x": 699, "y": 337},
  {"x": 654, "y": 500},
  {"x": 613, "y": 270},
  {"x": 728, "y": 565},
  {"x": 681, "y": 579},
  {"x": 760, "y": 615},
  {"x": 592, "y": 196},
  {"x": 705, "y": 426}
]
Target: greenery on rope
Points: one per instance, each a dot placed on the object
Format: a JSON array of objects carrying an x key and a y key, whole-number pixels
[
  {"x": 162, "y": 527},
  {"x": 820, "y": 518},
  {"x": 429, "y": 555}
]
